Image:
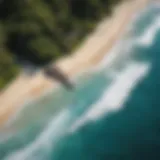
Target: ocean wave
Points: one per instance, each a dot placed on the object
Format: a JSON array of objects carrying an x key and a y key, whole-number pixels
[
  {"x": 44, "y": 141},
  {"x": 147, "y": 38},
  {"x": 119, "y": 52},
  {"x": 123, "y": 81},
  {"x": 117, "y": 93},
  {"x": 113, "y": 98}
]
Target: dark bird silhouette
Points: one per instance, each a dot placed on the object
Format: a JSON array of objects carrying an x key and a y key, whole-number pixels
[
  {"x": 29, "y": 59},
  {"x": 54, "y": 72}
]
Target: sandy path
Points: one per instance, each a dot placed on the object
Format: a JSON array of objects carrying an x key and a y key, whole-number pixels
[{"x": 87, "y": 55}]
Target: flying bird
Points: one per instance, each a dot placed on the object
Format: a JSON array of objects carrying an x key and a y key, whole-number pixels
[{"x": 27, "y": 58}]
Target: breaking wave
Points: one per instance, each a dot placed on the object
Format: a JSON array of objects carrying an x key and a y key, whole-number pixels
[{"x": 125, "y": 73}]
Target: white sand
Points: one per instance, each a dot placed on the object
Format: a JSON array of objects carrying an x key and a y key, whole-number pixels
[{"x": 87, "y": 55}]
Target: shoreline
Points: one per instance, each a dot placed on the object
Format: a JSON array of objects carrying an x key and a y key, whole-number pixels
[{"x": 89, "y": 54}]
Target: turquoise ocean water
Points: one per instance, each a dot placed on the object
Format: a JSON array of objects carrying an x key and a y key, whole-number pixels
[{"x": 114, "y": 114}]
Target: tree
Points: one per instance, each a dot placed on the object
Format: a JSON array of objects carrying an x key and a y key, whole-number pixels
[{"x": 44, "y": 30}]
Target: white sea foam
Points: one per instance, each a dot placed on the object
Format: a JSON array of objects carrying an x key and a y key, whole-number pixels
[
  {"x": 124, "y": 46},
  {"x": 112, "y": 100},
  {"x": 43, "y": 141},
  {"x": 117, "y": 93},
  {"x": 149, "y": 34}
]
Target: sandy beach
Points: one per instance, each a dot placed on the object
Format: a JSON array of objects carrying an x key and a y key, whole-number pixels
[{"x": 89, "y": 54}]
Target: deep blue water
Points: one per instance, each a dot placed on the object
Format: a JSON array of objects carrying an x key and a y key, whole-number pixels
[{"x": 114, "y": 113}]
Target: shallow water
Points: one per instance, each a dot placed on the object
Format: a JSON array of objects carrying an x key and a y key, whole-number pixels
[{"x": 114, "y": 113}]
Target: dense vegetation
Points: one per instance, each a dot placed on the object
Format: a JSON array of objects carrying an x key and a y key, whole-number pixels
[{"x": 44, "y": 29}]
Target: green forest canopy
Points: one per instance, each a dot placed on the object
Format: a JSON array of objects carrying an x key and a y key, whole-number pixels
[{"x": 47, "y": 28}]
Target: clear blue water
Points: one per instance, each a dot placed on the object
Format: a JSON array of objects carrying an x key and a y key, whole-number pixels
[{"x": 114, "y": 113}]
